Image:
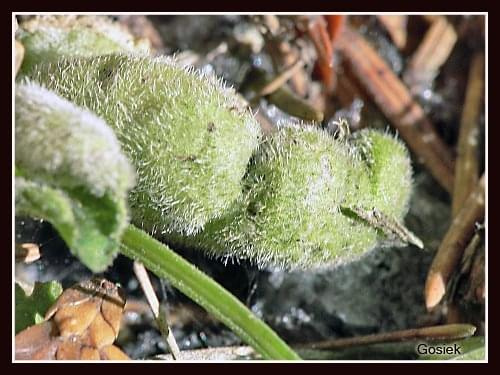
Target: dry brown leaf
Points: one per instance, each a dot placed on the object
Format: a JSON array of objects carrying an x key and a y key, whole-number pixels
[{"x": 81, "y": 325}]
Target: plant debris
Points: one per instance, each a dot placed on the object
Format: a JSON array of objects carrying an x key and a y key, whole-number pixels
[{"x": 81, "y": 325}]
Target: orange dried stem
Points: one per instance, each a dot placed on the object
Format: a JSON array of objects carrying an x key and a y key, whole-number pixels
[
  {"x": 396, "y": 27},
  {"x": 453, "y": 245},
  {"x": 397, "y": 104},
  {"x": 281, "y": 78},
  {"x": 27, "y": 252},
  {"x": 284, "y": 54},
  {"x": 317, "y": 31},
  {"x": 432, "y": 52},
  {"x": 160, "y": 316},
  {"x": 467, "y": 166},
  {"x": 335, "y": 26}
]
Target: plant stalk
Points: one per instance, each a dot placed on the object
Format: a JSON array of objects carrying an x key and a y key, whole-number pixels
[{"x": 165, "y": 263}]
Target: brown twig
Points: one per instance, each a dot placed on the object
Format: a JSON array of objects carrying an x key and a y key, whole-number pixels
[
  {"x": 336, "y": 24},
  {"x": 285, "y": 56},
  {"x": 435, "y": 333},
  {"x": 159, "y": 313},
  {"x": 430, "y": 18},
  {"x": 281, "y": 78},
  {"x": 286, "y": 100},
  {"x": 476, "y": 288},
  {"x": 467, "y": 168},
  {"x": 396, "y": 27},
  {"x": 272, "y": 23},
  {"x": 391, "y": 227},
  {"x": 27, "y": 252},
  {"x": 283, "y": 53},
  {"x": 283, "y": 98},
  {"x": 465, "y": 267},
  {"x": 471, "y": 272},
  {"x": 395, "y": 101},
  {"x": 179, "y": 315},
  {"x": 453, "y": 245},
  {"x": 454, "y": 311},
  {"x": 469, "y": 253},
  {"x": 348, "y": 90},
  {"x": 318, "y": 33},
  {"x": 141, "y": 27},
  {"x": 431, "y": 54}
]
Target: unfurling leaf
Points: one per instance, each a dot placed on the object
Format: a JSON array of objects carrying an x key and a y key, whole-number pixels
[
  {"x": 47, "y": 38},
  {"x": 72, "y": 173}
]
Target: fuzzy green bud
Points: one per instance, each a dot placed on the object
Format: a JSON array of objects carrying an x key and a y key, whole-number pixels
[
  {"x": 297, "y": 191},
  {"x": 48, "y": 38},
  {"x": 189, "y": 137},
  {"x": 389, "y": 169}
]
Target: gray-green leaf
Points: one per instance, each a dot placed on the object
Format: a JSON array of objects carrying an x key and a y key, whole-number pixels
[{"x": 73, "y": 174}]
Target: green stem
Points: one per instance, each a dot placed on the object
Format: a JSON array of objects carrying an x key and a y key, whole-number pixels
[{"x": 165, "y": 263}]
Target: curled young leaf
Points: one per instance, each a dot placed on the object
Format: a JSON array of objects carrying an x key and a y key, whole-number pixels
[
  {"x": 47, "y": 38},
  {"x": 72, "y": 173},
  {"x": 389, "y": 171}
]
